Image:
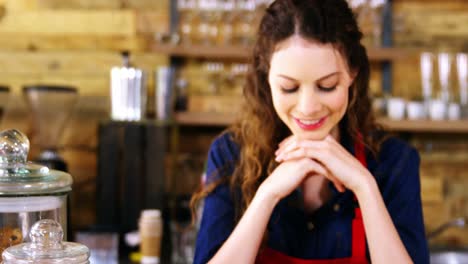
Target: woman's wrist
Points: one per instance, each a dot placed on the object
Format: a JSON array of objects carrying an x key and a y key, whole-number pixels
[
  {"x": 265, "y": 197},
  {"x": 367, "y": 189}
]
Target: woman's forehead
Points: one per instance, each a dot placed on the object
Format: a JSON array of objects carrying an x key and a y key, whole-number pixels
[{"x": 297, "y": 57}]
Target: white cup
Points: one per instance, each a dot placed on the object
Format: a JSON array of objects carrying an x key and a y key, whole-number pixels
[
  {"x": 378, "y": 106},
  {"x": 437, "y": 109},
  {"x": 454, "y": 111},
  {"x": 396, "y": 108},
  {"x": 415, "y": 110}
]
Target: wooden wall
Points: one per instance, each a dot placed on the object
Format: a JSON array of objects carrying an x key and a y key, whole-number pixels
[
  {"x": 425, "y": 25},
  {"x": 76, "y": 42},
  {"x": 435, "y": 25}
]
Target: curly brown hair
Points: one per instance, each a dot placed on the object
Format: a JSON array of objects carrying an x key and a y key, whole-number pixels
[{"x": 260, "y": 130}]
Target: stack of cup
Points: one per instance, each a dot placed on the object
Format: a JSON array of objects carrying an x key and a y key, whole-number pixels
[
  {"x": 165, "y": 96},
  {"x": 128, "y": 94},
  {"x": 396, "y": 108}
]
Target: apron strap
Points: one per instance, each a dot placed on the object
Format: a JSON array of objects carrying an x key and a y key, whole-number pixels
[{"x": 358, "y": 233}]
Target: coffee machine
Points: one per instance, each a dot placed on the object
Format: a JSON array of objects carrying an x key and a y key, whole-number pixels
[{"x": 50, "y": 107}]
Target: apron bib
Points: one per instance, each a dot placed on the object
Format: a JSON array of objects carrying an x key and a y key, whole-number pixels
[{"x": 358, "y": 251}]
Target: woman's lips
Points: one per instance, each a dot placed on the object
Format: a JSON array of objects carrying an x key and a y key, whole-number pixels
[{"x": 310, "y": 124}]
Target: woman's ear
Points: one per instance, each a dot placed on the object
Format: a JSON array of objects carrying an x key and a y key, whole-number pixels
[{"x": 353, "y": 74}]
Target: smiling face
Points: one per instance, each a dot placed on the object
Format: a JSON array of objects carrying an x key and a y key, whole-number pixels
[{"x": 309, "y": 84}]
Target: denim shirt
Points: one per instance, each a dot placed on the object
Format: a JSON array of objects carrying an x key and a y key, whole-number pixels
[{"x": 326, "y": 233}]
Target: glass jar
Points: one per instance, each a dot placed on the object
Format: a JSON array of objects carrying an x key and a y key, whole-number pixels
[
  {"x": 46, "y": 246},
  {"x": 28, "y": 192}
]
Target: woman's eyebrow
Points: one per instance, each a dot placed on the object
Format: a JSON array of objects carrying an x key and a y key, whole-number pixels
[
  {"x": 328, "y": 76},
  {"x": 319, "y": 80},
  {"x": 287, "y": 77}
]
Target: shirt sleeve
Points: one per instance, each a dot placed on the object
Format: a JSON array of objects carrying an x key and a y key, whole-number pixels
[
  {"x": 402, "y": 196},
  {"x": 217, "y": 220}
]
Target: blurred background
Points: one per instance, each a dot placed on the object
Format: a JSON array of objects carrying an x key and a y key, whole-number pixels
[{"x": 128, "y": 95}]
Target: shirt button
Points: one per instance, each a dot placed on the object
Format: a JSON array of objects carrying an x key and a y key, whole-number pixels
[
  {"x": 310, "y": 225},
  {"x": 336, "y": 207}
]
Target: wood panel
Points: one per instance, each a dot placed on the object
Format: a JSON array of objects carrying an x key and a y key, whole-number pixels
[
  {"x": 70, "y": 22},
  {"x": 73, "y": 63},
  {"x": 82, "y": 167},
  {"x": 16, "y": 115},
  {"x": 85, "y": 42},
  {"x": 88, "y": 71},
  {"x": 93, "y": 4},
  {"x": 150, "y": 21},
  {"x": 406, "y": 78},
  {"x": 432, "y": 187},
  {"x": 430, "y": 23},
  {"x": 85, "y": 85},
  {"x": 19, "y": 4}
]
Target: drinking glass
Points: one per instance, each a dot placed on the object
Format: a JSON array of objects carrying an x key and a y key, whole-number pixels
[
  {"x": 186, "y": 10},
  {"x": 244, "y": 28},
  {"x": 226, "y": 22},
  {"x": 207, "y": 29}
]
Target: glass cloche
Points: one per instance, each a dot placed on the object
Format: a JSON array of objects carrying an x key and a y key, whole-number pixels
[
  {"x": 46, "y": 247},
  {"x": 28, "y": 192}
]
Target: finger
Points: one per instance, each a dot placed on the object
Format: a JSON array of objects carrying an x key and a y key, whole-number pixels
[
  {"x": 295, "y": 152},
  {"x": 339, "y": 186},
  {"x": 315, "y": 166},
  {"x": 284, "y": 143},
  {"x": 336, "y": 182},
  {"x": 286, "y": 146},
  {"x": 292, "y": 145},
  {"x": 318, "y": 168}
]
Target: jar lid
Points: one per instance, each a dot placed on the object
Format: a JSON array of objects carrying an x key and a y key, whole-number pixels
[
  {"x": 46, "y": 246},
  {"x": 18, "y": 177}
]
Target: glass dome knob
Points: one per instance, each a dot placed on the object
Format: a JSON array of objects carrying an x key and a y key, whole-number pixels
[
  {"x": 46, "y": 234},
  {"x": 14, "y": 147}
]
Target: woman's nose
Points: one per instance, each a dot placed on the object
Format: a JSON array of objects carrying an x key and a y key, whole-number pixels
[{"x": 309, "y": 102}]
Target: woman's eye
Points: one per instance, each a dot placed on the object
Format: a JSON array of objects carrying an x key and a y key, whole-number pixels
[
  {"x": 289, "y": 89},
  {"x": 326, "y": 89}
]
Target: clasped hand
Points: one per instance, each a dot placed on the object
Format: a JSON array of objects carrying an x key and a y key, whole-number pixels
[{"x": 302, "y": 158}]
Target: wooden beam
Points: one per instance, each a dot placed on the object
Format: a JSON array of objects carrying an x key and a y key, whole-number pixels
[
  {"x": 13, "y": 5},
  {"x": 86, "y": 85},
  {"x": 151, "y": 21},
  {"x": 70, "y": 22},
  {"x": 72, "y": 63},
  {"x": 430, "y": 23},
  {"x": 93, "y": 4},
  {"x": 428, "y": 5},
  {"x": 448, "y": 23},
  {"x": 38, "y": 42},
  {"x": 79, "y": 4}
]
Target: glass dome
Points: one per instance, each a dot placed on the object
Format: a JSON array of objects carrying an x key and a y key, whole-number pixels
[
  {"x": 46, "y": 246},
  {"x": 18, "y": 177}
]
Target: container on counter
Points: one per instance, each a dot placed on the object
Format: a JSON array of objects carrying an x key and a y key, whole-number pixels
[
  {"x": 28, "y": 192},
  {"x": 46, "y": 247},
  {"x": 150, "y": 227}
]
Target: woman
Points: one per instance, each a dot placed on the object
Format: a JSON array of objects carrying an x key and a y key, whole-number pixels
[{"x": 306, "y": 176}]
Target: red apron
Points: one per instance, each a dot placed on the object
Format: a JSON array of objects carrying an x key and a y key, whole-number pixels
[{"x": 358, "y": 251}]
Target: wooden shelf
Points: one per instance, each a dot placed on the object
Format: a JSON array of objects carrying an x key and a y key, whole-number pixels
[
  {"x": 243, "y": 52},
  {"x": 445, "y": 126},
  {"x": 200, "y": 51},
  {"x": 217, "y": 119}
]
